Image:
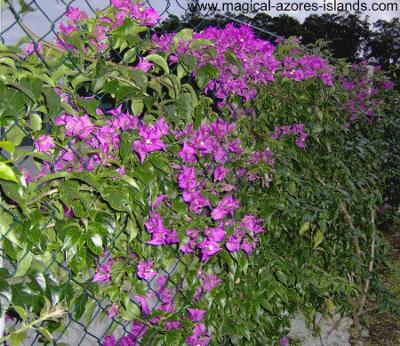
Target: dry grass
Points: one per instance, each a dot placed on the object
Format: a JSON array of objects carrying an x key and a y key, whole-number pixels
[{"x": 384, "y": 327}]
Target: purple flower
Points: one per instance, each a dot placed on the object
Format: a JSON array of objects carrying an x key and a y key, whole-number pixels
[
  {"x": 121, "y": 4},
  {"x": 221, "y": 128},
  {"x": 158, "y": 237},
  {"x": 155, "y": 320},
  {"x": 208, "y": 249},
  {"x": 138, "y": 329},
  {"x": 233, "y": 243},
  {"x": 235, "y": 146},
  {"x": 296, "y": 129},
  {"x": 144, "y": 65},
  {"x": 247, "y": 247},
  {"x": 225, "y": 206},
  {"x": 219, "y": 154},
  {"x": 220, "y": 173},
  {"x": 162, "y": 281},
  {"x": 202, "y": 141},
  {"x": 187, "y": 153},
  {"x": 79, "y": 126},
  {"x": 128, "y": 340},
  {"x": 189, "y": 246},
  {"x": 170, "y": 325},
  {"x": 187, "y": 179},
  {"x": 33, "y": 47},
  {"x": 75, "y": 14},
  {"x": 159, "y": 199},
  {"x": 284, "y": 341},
  {"x": 146, "y": 16},
  {"x": 113, "y": 311},
  {"x": 109, "y": 340},
  {"x": 164, "y": 237},
  {"x": 124, "y": 121},
  {"x": 151, "y": 139},
  {"x": 388, "y": 84},
  {"x": 199, "y": 336},
  {"x": 44, "y": 143},
  {"x": 103, "y": 272},
  {"x": 210, "y": 281},
  {"x": 159, "y": 234},
  {"x": 196, "y": 315},
  {"x": 252, "y": 223},
  {"x": 215, "y": 234},
  {"x": 145, "y": 270},
  {"x": 196, "y": 201},
  {"x": 155, "y": 222},
  {"x": 108, "y": 139},
  {"x": 121, "y": 170},
  {"x": 142, "y": 300}
]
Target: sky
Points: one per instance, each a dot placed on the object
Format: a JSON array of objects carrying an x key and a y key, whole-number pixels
[{"x": 46, "y": 11}]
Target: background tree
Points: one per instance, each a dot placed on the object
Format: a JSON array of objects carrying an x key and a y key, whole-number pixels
[
  {"x": 384, "y": 45},
  {"x": 346, "y": 33}
]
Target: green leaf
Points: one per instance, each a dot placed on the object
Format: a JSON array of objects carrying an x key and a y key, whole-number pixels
[
  {"x": 158, "y": 60},
  {"x": 318, "y": 237},
  {"x": 200, "y": 43},
  {"x": 89, "y": 105},
  {"x": 24, "y": 263},
  {"x": 15, "y": 135},
  {"x": 9, "y": 62},
  {"x": 6, "y": 173},
  {"x": 42, "y": 330},
  {"x": 184, "y": 34},
  {"x": 131, "y": 311},
  {"x": 7, "y": 145},
  {"x": 25, "y": 7},
  {"x": 305, "y": 227},
  {"x": 21, "y": 312},
  {"x": 53, "y": 102},
  {"x": 18, "y": 339},
  {"x": 95, "y": 242},
  {"x": 80, "y": 305},
  {"x": 36, "y": 122},
  {"x": 87, "y": 316},
  {"x": 148, "y": 337},
  {"x": 206, "y": 73},
  {"x": 23, "y": 89},
  {"x": 41, "y": 281},
  {"x": 5, "y": 296},
  {"x": 137, "y": 106},
  {"x": 132, "y": 229},
  {"x": 117, "y": 197},
  {"x": 130, "y": 56}
]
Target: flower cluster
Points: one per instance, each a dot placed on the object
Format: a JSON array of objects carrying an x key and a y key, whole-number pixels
[
  {"x": 132, "y": 9},
  {"x": 160, "y": 235},
  {"x": 103, "y": 271},
  {"x": 150, "y": 138},
  {"x": 297, "y": 129},
  {"x": 101, "y": 29},
  {"x": 308, "y": 66},
  {"x": 103, "y": 138},
  {"x": 255, "y": 61},
  {"x": 363, "y": 98}
]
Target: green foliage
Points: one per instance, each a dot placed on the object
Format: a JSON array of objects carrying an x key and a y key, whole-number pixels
[{"x": 318, "y": 208}]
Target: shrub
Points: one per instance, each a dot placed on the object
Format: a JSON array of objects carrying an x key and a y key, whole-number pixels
[{"x": 202, "y": 186}]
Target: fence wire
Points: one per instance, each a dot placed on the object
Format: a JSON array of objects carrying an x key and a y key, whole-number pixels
[{"x": 36, "y": 22}]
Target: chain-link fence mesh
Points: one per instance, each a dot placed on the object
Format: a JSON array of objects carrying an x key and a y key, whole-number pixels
[{"x": 37, "y": 23}]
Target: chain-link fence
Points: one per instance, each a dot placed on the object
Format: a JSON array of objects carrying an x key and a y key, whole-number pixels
[{"x": 35, "y": 24}]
